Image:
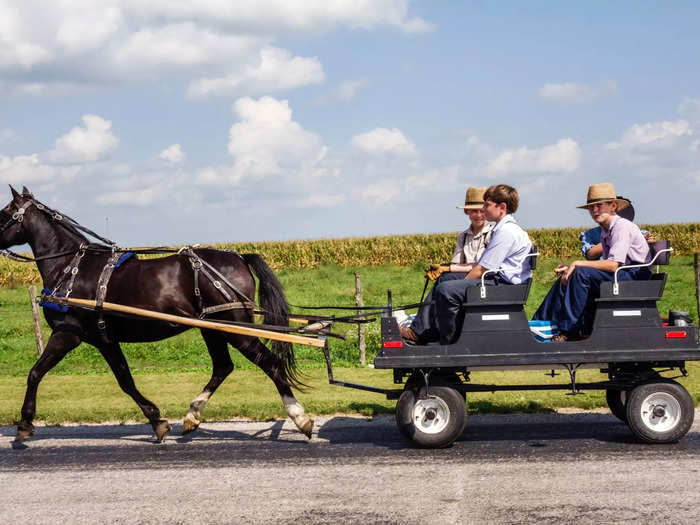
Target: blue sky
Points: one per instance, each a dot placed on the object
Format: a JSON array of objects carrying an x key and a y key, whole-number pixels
[{"x": 216, "y": 121}]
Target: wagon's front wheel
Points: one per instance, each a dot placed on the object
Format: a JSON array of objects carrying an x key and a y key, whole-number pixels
[
  {"x": 660, "y": 412},
  {"x": 433, "y": 417}
]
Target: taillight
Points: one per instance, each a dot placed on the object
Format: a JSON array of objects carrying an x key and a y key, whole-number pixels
[
  {"x": 675, "y": 335},
  {"x": 392, "y": 344}
]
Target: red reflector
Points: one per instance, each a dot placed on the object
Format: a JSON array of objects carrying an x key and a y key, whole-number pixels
[
  {"x": 675, "y": 335},
  {"x": 392, "y": 344}
]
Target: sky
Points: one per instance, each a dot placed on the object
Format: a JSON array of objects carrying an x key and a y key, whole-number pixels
[{"x": 178, "y": 121}]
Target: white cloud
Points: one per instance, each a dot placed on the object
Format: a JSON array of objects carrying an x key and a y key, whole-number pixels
[
  {"x": 383, "y": 140},
  {"x": 266, "y": 142},
  {"x": 562, "y": 157},
  {"x": 89, "y": 25},
  {"x": 653, "y": 135},
  {"x": 217, "y": 47},
  {"x": 89, "y": 143},
  {"x": 172, "y": 154},
  {"x": 573, "y": 92},
  {"x": 276, "y": 70},
  {"x": 380, "y": 193},
  {"x": 285, "y": 15},
  {"x": 28, "y": 169}
]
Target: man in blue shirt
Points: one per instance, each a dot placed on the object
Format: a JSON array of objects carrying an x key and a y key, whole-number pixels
[{"x": 507, "y": 252}]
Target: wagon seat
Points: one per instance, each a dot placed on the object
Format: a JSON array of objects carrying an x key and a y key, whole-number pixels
[
  {"x": 500, "y": 307},
  {"x": 633, "y": 303}
]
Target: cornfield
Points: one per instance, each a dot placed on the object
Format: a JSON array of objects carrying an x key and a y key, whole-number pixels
[{"x": 400, "y": 250}]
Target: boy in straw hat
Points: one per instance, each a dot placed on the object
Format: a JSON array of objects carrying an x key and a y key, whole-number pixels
[
  {"x": 571, "y": 296},
  {"x": 507, "y": 251},
  {"x": 470, "y": 245}
]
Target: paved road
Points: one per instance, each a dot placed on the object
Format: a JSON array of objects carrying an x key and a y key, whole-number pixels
[{"x": 505, "y": 469}]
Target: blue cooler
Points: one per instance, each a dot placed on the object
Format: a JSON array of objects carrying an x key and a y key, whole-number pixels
[{"x": 543, "y": 330}]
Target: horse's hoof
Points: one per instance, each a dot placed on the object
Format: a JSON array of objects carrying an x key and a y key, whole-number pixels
[
  {"x": 189, "y": 424},
  {"x": 24, "y": 431},
  {"x": 161, "y": 428},
  {"x": 307, "y": 427}
]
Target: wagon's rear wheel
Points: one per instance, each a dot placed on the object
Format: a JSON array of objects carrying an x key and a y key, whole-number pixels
[
  {"x": 617, "y": 401},
  {"x": 432, "y": 418},
  {"x": 660, "y": 411}
]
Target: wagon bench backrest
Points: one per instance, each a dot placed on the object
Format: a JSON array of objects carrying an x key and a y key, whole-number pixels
[
  {"x": 635, "y": 303},
  {"x": 652, "y": 289},
  {"x": 504, "y": 293}
]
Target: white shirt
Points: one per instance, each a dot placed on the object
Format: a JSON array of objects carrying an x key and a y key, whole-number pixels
[{"x": 508, "y": 250}]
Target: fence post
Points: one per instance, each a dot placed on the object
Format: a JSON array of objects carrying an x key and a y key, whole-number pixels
[
  {"x": 696, "y": 266},
  {"x": 360, "y": 327},
  {"x": 37, "y": 321}
]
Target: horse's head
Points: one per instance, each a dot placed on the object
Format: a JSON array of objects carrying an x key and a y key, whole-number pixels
[{"x": 12, "y": 228}]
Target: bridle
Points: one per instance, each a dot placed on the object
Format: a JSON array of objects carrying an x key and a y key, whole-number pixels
[
  {"x": 62, "y": 219},
  {"x": 17, "y": 216}
]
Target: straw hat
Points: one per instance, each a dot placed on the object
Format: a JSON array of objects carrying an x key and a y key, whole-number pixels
[
  {"x": 604, "y": 192},
  {"x": 474, "y": 200}
]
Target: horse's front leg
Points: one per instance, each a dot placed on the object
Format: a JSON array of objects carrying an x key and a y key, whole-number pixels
[
  {"x": 59, "y": 344},
  {"x": 117, "y": 362}
]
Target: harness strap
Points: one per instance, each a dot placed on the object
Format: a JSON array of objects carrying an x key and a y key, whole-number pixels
[
  {"x": 199, "y": 265},
  {"x": 69, "y": 272},
  {"x": 101, "y": 291},
  {"x": 236, "y": 305}
]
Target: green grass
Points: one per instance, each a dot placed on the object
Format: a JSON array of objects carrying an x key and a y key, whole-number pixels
[
  {"x": 96, "y": 398},
  {"x": 171, "y": 372},
  {"x": 327, "y": 285}
]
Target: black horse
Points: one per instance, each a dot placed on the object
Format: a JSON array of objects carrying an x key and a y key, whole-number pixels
[{"x": 162, "y": 284}]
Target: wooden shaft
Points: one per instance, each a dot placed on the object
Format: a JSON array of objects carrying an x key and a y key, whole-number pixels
[
  {"x": 37, "y": 322},
  {"x": 199, "y": 323}
]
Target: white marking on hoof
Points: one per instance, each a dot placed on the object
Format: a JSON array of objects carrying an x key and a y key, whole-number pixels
[
  {"x": 190, "y": 423},
  {"x": 301, "y": 420},
  {"x": 192, "y": 419}
]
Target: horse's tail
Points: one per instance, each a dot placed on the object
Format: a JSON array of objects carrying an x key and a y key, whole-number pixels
[{"x": 274, "y": 304}]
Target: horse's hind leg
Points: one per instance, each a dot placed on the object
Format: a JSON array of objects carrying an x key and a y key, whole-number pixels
[
  {"x": 273, "y": 366},
  {"x": 59, "y": 344},
  {"x": 117, "y": 362},
  {"x": 222, "y": 366}
]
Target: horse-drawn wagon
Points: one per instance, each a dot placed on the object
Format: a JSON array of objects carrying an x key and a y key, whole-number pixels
[{"x": 151, "y": 299}]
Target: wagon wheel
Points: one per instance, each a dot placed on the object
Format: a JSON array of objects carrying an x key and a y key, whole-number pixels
[
  {"x": 660, "y": 411},
  {"x": 434, "y": 419},
  {"x": 617, "y": 401}
]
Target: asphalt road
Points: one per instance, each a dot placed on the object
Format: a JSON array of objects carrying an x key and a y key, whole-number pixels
[{"x": 548, "y": 468}]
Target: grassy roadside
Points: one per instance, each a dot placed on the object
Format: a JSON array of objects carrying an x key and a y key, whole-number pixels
[
  {"x": 96, "y": 398},
  {"x": 172, "y": 372},
  {"x": 328, "y": 285}
]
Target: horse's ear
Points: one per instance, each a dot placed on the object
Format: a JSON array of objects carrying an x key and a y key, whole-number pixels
[
  {"x": 26, "y": 192},
  {"x": 15, "y": 196}
]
